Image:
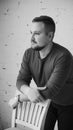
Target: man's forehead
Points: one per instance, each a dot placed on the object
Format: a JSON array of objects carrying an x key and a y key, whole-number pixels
[{"x": 37, "y": 26}]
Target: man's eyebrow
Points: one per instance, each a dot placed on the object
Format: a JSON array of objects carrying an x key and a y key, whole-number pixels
[{"x": 35, "y": 31}]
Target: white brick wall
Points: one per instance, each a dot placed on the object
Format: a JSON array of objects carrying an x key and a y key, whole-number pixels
[{"x": 15, "y": 21}]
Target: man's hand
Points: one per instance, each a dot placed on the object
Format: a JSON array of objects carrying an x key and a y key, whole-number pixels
[
  {"x": 32, "y": 93},
  {"x": 35, "y": 96},
  {"x": 13, "y": 102},
  {"x": 23, "y": 97}
]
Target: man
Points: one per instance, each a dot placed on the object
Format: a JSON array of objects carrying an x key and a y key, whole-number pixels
[{"x": 51, "y": 67}]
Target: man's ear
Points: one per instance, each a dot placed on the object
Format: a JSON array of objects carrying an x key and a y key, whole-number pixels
[{"x": 51, "y": 35}]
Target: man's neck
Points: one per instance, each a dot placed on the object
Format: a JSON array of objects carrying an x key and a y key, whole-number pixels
[{"x": 45, "y": 51}]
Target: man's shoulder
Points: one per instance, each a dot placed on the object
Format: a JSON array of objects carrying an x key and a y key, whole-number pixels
[
  {"x": 62, "y": 53},
  {"x": 30, "y": 53},
  {"x": 61, "y": 50}
]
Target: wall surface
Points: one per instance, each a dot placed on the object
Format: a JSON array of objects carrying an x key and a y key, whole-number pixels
[{"x": 15, "y": 21}]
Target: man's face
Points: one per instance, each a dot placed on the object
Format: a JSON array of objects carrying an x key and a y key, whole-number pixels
[{"x": 39, "y": 38}]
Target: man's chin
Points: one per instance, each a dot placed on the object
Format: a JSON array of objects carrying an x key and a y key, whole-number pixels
[{"x": 37, "y": 48}]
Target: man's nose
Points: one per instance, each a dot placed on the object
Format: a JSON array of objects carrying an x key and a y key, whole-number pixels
[{"x": 32, "y": 37}]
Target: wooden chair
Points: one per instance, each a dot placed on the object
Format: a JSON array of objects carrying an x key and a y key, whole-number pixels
[{"x": 29, "y": 116}]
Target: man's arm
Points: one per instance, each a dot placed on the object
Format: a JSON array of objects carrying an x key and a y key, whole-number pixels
[
  {"x": 58, "y": 77},
  {"x": 24, "y": 76}
]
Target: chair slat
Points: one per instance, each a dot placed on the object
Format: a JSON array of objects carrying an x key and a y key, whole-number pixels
[
  {"x": 35, "y": 114},
  {"x": 38, "y": 115},
  {"x": 43, "y": 114},
  {"x": 19, "y": 108},
  {"x": 23, "y": 111},
  {"x": 32, "y": 106},
  {"x": 27, "y": 111}
]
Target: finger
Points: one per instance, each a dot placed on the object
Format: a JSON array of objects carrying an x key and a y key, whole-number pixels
[
  {"x": 40, "y": 99},
  {"x": 36, "y": 101}
]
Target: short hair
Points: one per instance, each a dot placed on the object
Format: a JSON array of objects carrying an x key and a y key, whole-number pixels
[{"x": 48, "y": 21}]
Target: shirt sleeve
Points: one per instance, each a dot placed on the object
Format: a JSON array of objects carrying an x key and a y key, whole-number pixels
[
  {"x": 24, "y": 76},
  {"x": 59, "y": 76}
]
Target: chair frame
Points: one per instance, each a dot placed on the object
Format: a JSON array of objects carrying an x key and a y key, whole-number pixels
[{"x": 40, "y": 111}]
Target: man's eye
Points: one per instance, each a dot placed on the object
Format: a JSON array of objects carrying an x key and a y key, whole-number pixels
[{"x": 37, "y": 33}]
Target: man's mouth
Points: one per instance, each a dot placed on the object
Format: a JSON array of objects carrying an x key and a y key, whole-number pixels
[{"x": 34, "y": 42}]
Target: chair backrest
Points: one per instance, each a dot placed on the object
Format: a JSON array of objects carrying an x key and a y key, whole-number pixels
[{"x": 31, "y": 115}]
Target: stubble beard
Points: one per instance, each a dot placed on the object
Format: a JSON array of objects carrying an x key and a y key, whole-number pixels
[{"x": 37, "y": 48}]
